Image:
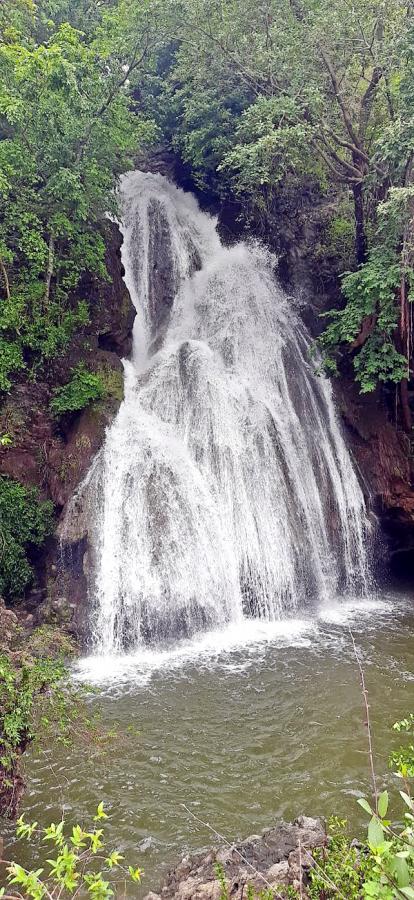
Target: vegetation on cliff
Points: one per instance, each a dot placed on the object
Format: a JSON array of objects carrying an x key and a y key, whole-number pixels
[
  {"x": 25, "y": 523},
  {"x": 282, "y": 105},
  {"x": 67, "y": 130}
]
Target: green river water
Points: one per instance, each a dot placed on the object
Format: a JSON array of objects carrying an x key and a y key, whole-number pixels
[{"x": 243, "y": 727}]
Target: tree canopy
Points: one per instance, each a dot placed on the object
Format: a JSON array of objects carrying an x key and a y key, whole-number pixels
[{"x": 269, "y": 103}]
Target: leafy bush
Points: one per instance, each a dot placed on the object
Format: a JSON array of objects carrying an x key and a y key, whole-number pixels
[
  {"x": 370, "y": 321},
  {"x": 81, "y": 863},
  {"x": 25, "y": 523},
  {"x": 19, "y": 688},
  {"x": 83, "y": 388},
  {"x": 402, "y": 760}
]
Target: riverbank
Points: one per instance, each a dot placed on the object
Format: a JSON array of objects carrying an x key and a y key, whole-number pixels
[
  {"x": 31, "y": 672},
  {"x": 279, "y": 858}
]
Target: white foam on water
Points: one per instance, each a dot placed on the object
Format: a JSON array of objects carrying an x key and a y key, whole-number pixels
[
  {"x": 240, "y": 645},
  {"x": 344, "y": 612},
  {"x": 206, "y": 649}
]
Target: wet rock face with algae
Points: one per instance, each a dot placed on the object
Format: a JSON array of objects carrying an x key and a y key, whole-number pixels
[{"x": 280, "y": 857}]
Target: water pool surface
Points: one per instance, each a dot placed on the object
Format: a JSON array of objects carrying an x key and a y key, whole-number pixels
[{"x": 243, "y": 727}]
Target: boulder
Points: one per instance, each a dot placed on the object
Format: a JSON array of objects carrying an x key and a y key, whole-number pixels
[{"x": 280, "y": 856}]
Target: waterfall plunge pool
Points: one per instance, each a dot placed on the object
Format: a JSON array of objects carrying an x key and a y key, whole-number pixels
[{"x": 244, "y": 727}]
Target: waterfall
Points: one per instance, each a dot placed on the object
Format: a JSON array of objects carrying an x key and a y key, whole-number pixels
[{"x": 225, "y": 487}]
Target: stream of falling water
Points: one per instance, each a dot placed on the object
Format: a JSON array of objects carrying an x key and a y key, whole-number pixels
[
  {"x": 225, "y": 489},
  {"x": 228, "y": 559}
]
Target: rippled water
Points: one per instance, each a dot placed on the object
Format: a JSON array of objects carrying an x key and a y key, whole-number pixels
[{"x": 244, "y": 727}]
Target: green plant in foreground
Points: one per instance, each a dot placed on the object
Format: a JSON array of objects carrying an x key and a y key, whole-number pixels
[
  {"x": 402, "y": 760},
  {"x": 339, "y": 867},
  {"x": 392, "y": 846},
  {"x": 81, "y": 861}
]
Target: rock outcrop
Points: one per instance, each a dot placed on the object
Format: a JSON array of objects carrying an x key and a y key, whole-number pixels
[
  {"x": 278, "y": 858},
  {"x": 55, "y": 455},
  {"x": 384, "y": 454}
]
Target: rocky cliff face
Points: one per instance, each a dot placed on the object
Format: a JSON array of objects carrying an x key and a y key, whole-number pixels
[
  {"x": 54, "y": 456},
  {"x": 384, "y": 454}
]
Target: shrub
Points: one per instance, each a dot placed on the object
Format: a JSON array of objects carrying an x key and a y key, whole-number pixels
[
  {"x": 19, "y": 688},
  {"x": 84, "y": 388},
  {"x": 81, "y": 863},
  {"x": 25, "y": 523}
]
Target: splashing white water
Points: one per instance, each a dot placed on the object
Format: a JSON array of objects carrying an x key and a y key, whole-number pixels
[{"x": 226, "y": 489}]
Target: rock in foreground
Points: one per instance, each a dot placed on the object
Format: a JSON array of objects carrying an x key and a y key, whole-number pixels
[{"x": 279, "y": 857}]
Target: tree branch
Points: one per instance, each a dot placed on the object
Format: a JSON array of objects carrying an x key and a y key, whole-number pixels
[
  {"x": 368, "y": 100},
  {"x": 348, "y": 146},
  {"x": 347, "y": 166},
  {"x": 337, "y": 91},
  {"x": 49, "y": 271},
  {"x": 5, "y": 278},
  {"x": 346, "y": 179},
  {"x": 367, "y": 722},
  {"x": 134, "y": 64}
]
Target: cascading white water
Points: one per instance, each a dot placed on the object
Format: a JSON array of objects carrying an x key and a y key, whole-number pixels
[{"x": 226, "y": 489}]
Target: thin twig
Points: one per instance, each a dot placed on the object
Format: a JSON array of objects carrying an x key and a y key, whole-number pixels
[
  {"x": 367, "y": 722},
  {"x": 300, "y": 870},
  {"x": 324, "y": 876}
]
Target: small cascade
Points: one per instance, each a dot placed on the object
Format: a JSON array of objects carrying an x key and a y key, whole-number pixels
[{"x": 225, "y": 489}]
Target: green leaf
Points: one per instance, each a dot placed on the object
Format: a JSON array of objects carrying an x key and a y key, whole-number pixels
[
  {"x": 375, "y": 833},
  {"x": 365, "y": 805},
  {"x": 401, "y": 871},
  {"x": 383, "y": 804},
  {"x": 136, "y": 874},
  {"x": 100, "y": 814},
  {"x": 407, "y": 799}
]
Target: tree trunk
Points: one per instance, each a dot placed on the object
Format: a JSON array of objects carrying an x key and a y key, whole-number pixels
[
  {"x": 49, "y": 272},
  {"x": 361, "y": 245},
  {"x": 405, "y": 406},
  {"x": 5, "y": 278}
]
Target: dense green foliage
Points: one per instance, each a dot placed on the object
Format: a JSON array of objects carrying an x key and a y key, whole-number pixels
[
  {"x": 83, "y": 388},
  {"x": 25, "y": 524},
  {"x": 20, "y": 687},
  {"x": 287, "y": 105},
  {"x": 67, "y": 129}
]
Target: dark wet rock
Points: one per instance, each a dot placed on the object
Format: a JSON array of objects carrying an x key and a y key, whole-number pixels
[
  {"x": 9, "y": 626},
  {"x": 281, "y": 856},
  {"x": 384, "y": 458}
]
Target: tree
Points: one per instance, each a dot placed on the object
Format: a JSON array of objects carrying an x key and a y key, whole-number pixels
[{"x": 66, "y": 132}]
